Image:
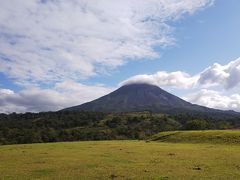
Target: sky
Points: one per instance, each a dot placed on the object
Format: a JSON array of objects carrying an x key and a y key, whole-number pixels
[{"x": 56, "y": 54}]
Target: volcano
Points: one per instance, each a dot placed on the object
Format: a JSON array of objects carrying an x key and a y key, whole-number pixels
[{"x": 141, "y": 97}]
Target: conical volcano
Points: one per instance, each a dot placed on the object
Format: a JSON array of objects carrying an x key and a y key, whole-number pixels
[{"x": 140, "y": 97}]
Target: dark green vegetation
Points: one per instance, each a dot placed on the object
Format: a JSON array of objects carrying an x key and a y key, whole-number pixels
[
  {"x": 74, "y": 125},
  {"x": 229, "y": 137},
  {"x": 120, "y": 160}
]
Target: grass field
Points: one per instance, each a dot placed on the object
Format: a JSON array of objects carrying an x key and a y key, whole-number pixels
[
  {"x": 205, "y": 136},
  {"x": 121, "y": 160}
]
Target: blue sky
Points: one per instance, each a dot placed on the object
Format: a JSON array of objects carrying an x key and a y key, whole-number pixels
[
  {"x": 48, "y": 62},
  {"x": 210, "y": 35}
]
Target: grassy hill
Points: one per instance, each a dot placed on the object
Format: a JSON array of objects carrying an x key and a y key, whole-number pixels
[
  {"x": 124, "y": 159},
  {"x": 206, "y": 136}
]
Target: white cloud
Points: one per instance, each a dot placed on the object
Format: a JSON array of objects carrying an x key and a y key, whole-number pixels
[
  {"x": 63, "y": 95},
  {"x": 222, "y": 75},
  {"x": 215, "y": 99},
  {"x": 51, "y": 41},
  {"x": 176, "y": 79},
  {"x": 227, "y": 76}
]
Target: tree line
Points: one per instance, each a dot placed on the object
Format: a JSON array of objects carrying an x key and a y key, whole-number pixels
[{"x": 80, "y": 125}]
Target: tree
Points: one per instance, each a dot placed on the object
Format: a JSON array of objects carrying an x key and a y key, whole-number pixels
[{"x": 197, "y": 124}]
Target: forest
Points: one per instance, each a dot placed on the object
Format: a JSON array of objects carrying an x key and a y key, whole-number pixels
[{"x": 82, "y": 125}]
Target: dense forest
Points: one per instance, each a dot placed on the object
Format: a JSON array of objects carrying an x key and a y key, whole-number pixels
[{"x": 80, "y": 125}]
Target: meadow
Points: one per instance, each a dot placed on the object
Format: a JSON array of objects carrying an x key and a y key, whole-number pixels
[{"x": 123, "y": 159}]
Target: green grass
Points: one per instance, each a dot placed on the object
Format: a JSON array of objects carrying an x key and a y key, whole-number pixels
[
  {"x": 120, "y": 160},
  {"x": 204, "y": 136}
]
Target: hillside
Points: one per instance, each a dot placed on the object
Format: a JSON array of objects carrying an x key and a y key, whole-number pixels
[
  {"x": 144, "y": 97},
  {"x": 207, "y": 136}
]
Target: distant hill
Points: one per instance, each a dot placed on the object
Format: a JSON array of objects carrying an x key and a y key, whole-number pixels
[
  {"x": 143, "y": 97},
  {"x": 206, "y": 136}
]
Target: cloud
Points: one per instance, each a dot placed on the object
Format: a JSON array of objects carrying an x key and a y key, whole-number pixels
[
  {"x": 176, "y": 79},
  {"x": 63, "y": 95},
  {"x": 226, "y": 75},
  {"x": 215, "y": 99},
  {"x": 44, "y": 41}
]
